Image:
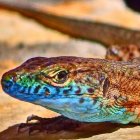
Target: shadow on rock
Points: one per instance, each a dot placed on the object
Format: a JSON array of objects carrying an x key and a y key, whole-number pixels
[{"x": 60, "y": 129}]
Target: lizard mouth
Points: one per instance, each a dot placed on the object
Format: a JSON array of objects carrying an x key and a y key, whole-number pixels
[
  {"x": 19, "y": 92},
  {"x": 10, "y": 87},
  {"x": 6, "y": 84},
  {"x": 29, "y": 94},
  {"x": 7, "y": 81}
]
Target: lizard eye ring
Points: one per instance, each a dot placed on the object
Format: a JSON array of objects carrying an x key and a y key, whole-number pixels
[{"x": 60, "y": 77}]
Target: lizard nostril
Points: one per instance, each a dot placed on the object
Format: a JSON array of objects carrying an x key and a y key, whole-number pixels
[
  {"x": 10, "y": 75},
  {"x": 6, "y": 77},
  {"x": 6, "y": 85},
  {"x": 7, "y": 81}
]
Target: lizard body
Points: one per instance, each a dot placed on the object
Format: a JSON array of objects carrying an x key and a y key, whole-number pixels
[
  {"x": 87, "y": 90},
  {"x": 83, "y": 89}
]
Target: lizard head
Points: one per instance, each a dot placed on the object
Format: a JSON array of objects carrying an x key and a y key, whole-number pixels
[{"x": 71, "y": 86}]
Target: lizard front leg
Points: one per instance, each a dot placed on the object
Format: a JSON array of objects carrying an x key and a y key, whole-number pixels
[{"x": 50, "y": 125}]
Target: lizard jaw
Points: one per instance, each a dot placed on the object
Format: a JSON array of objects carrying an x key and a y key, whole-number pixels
[{"x": 18, "y": 91}]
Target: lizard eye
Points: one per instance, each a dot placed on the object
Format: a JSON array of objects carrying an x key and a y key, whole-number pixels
[{"x": 60, "y": 77}]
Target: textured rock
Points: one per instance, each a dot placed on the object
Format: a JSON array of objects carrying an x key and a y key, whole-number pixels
[{"x": 85, "y": 131}]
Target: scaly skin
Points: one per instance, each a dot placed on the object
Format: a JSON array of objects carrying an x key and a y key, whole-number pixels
[
  {"x": 123, "y": 52},
  {"x": 87, "y": 90},
  {"x": 83, "y": 89}
]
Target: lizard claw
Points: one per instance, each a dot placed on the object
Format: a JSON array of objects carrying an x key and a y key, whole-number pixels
[
  {"x": 50, "y": 125},
  {"x": 21, "y": 126},
  {"x": 36, "y": 128},
  {"x": 28, "y": 125},
  {"x": 33, "y": 117}
]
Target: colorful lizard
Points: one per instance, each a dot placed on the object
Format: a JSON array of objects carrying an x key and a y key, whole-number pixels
[{"x": 83, "y": 89}]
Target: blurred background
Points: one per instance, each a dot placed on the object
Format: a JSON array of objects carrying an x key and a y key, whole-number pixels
[{"x": 22, "y": 38}]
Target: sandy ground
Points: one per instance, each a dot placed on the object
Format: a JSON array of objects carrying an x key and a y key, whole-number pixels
[{"x": 19, "y": 35}]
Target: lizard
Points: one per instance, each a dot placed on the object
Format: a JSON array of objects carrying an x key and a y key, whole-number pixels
[{"x": 83, "y": 89}]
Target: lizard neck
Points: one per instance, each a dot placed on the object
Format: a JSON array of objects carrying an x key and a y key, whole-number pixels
[
  {"x": 124, "y": 89},
  {"x": 124, "y": 79}
]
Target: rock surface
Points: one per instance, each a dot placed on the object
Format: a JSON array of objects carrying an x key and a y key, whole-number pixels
[{"x": 96, "y": 131}]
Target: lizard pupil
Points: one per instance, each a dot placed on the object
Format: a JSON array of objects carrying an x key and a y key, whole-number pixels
[{"x": 62, "y": 76}]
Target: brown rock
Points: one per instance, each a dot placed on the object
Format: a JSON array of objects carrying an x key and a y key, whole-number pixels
[{"x": 86, "y": 130}]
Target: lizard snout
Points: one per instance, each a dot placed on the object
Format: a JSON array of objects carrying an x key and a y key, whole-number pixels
[{"x": 7, "y": 81}]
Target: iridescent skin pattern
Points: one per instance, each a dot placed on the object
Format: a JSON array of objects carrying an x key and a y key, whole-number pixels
[{"x": 83, "y": 89}]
